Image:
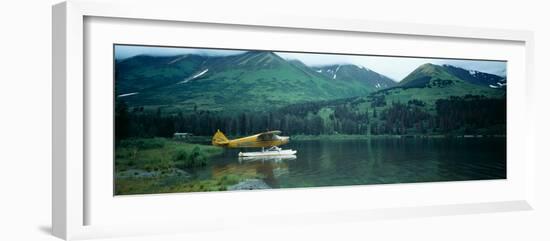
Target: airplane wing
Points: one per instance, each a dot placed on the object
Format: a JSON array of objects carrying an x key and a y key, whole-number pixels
[
  {"x": 269, "y": 135},
  {"x": 271, "y": 132}
]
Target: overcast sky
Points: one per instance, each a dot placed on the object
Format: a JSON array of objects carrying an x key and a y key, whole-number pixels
[{"x": 396, "y": 68}]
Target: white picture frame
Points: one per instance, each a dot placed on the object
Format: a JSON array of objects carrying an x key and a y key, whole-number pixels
[{"x": 72, "y": 189}]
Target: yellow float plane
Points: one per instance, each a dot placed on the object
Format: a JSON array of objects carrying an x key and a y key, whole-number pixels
[{"x": 269, "y": 139}]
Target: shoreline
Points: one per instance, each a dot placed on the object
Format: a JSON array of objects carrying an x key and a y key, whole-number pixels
[
  {"x": 207, "y": 139},
  {"x": 369, "y": 137}
]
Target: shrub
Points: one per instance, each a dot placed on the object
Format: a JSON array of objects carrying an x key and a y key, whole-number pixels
[
  {"x": 157, "y": 164},
  {"x": 195, "y": 159},
  {"x": 180, "y": 155}
]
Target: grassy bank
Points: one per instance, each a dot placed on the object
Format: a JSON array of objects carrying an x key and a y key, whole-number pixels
[
  {"x": 160, "y": 165},
  {"x": 160, "y": 154}
]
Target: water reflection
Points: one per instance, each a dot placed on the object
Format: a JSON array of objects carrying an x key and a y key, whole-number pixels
[
  {"x": 271, "y": 169},
  {"x": 279, "y": 158},
  {"x": 373, "y": 161}
]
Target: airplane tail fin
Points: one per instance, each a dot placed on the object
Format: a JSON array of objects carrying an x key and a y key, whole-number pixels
[{"x": 219, "y": 139}]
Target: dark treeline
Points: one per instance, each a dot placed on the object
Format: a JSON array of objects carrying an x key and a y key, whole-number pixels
[
  {"x": 402, "y": 119},
  {"x": 471, "y": 113},
  {"x": 456, "y": 115}
]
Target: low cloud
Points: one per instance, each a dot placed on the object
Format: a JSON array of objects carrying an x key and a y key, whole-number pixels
[
  {"x": 127, "y": 51},
  {"x": 396, "y": 68}
]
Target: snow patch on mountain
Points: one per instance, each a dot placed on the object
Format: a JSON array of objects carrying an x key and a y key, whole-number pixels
[
  {"x": 194, "y": 76},
  {"x": 128, "y": 94},
  {"x": 500, "y": 84},
  {"x": 337, "y": 68},
  {"x": 363, "y": 67},
  {"x": 177, "y": 59}
]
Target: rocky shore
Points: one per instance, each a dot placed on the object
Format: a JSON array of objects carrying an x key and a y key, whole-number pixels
[
  {"x": 138, "y": 173},
  {"x": 249, "y": 184}
]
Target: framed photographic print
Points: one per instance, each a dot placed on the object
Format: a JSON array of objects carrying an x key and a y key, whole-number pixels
[
  {"x": 178, "y": 122},
  {"x": 203, "y": 119}
]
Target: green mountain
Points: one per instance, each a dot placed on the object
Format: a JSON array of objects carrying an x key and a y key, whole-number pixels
[
  {"x": 433, "y": 99},
  {"x": 356, "y": 74},
  {"x": 148, "y": 72},
  {"x": 255, "y": 80},
  {"x": 429, "y": 83},
  {"x": 251, "y": 92},
  {"x": 477, "y": 77},
  {"x": 431, "y": 75},
  {"x": 428, "y": 75}
]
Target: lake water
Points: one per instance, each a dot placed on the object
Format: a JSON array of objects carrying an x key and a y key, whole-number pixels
[{"x": 372, "y": 161}]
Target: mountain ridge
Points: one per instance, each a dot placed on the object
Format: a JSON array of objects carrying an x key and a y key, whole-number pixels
[
  {"x": 351, "y": 72},
  {"x": 430, "y": 75},
  {"x": 229, "y": 80}
]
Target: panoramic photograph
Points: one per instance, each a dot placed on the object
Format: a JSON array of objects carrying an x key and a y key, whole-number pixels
[{"x": 204, "y": 119}]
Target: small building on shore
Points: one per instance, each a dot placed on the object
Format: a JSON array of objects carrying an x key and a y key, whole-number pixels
[{"x": 182, "y": 135}]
